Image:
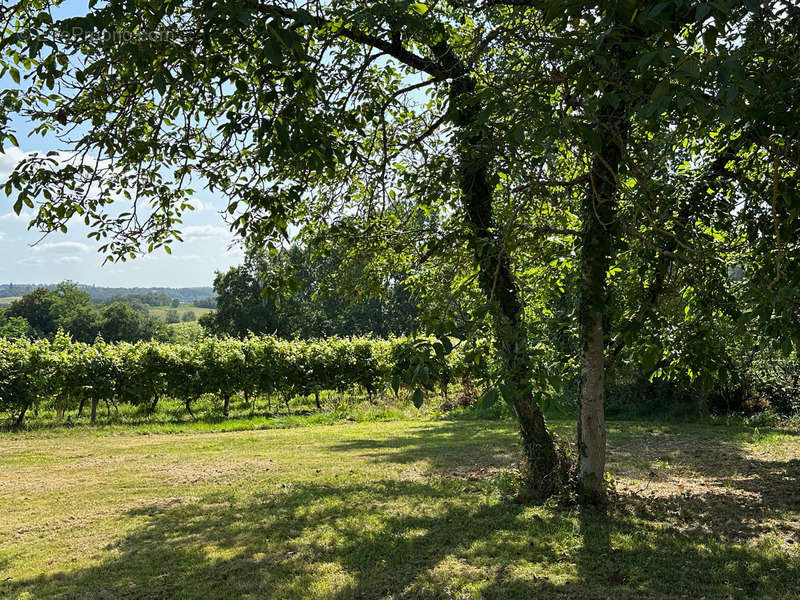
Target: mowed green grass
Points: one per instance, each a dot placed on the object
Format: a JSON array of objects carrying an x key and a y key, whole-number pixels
[
  {"x": 161, "y": 311},
  {"x": 402, "y": 509}
]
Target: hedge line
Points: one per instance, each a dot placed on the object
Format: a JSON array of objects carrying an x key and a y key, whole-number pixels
[{"x": 63, "y": 374}]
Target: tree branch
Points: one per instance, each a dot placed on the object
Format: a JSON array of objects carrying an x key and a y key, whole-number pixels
[{"x": 390, "y": 47}]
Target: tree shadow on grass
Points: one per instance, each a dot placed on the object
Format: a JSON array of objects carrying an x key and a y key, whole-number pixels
[
  {"x": 445, "y": 447},
  {"x": 327, "y": 542},
  {"x": 428, "y": 538}
]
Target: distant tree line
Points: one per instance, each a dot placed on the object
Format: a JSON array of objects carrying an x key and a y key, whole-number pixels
[
  {"x": 145, "y": 299},
  {"x": 246, "y": 302},
  {"x": 173, "y": 316},
  {"x": 42, "y": 312},
  {"x": 243, "y": 304},
  {"x": 187, "y": 295},
  {"x": 210, "y": 302}
]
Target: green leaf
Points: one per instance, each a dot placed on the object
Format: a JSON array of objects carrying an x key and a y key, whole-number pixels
[
  {"x": 417, "y": 398},
  {"x": 488, "y": 398},
  {"x": 593, "y": 139},
  {"x": 650, "y": 358},
  {"x": 160, "y": 83},
  {"x": 701, "y": 12}
]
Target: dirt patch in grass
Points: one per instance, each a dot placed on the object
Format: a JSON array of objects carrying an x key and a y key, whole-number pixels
[
  {"x": 485, "y": 469},
  {"x": 740, "y": 492},
  {"x": 181, "y": 472}
]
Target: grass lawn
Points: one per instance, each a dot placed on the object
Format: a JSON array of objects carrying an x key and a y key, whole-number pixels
[
  {"x": 161, "y": 311},
  {"x": 398, "y": 509}
]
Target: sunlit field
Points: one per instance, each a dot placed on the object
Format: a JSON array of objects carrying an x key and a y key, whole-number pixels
[{"x": 392, "y": 509}]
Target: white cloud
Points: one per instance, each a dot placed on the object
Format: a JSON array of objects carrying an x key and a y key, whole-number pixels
[
  {"x": 191, "y": 258},
  {"x": 32, "y": 260},
  {"x": 12, "y": 216},
  {"x": 55, "y": 253},
  {"x": 199, "y": 232},
  {"x": 199, "y": 205},
  {"x": 2, "y": 236},
  {"x": 62, "y": 260},
  {"x": 61, "y": 247},
  {"x": 234, "y": 251},
  {"x": 9, "y": 159},
  {"x": 12, "y": 156}
]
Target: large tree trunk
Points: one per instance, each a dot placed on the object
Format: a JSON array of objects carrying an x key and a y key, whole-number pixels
[
  {"x": 94, "y": 410},
  {"x": 498, "y": 284},
  {"x": 591, "y": 420},
  {"x": 598, "y": 234}
]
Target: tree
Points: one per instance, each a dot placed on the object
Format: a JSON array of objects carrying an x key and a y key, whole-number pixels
[
  {"x": 284, "y": 131},
  {"x": 36, "y": 309},
  {"x": 240, "y": 304},
  {"x": 210, "y": 302},
  {"x": 14, "y": 328},
  {"x": 291, "y": 295},
  {"x": 74, "y": 312},
  {"x": 591, "y": 131},
  {"x": 68, "y": 309},
  {"x": 64, "y": 308},
  {"x": 120, "y": 323}
]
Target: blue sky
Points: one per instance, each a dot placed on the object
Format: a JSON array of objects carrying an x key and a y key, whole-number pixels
[{"x": 208, "y": 244}]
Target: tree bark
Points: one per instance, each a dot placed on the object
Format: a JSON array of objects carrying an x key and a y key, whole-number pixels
[
  {"x": 20, "y": 420},
  {"x": 599, "y": 206},
  {"x": 225, "y": 405},
  {"x": 94, "y": 410},
  {"x": 499, "y": 286},
  {"x": 591, "y": 421}
]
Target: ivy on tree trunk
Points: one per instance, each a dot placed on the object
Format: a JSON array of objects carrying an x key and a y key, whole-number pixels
[
  {"x": 599, "y": 208},
  {"x": 498, "y": 285}
]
